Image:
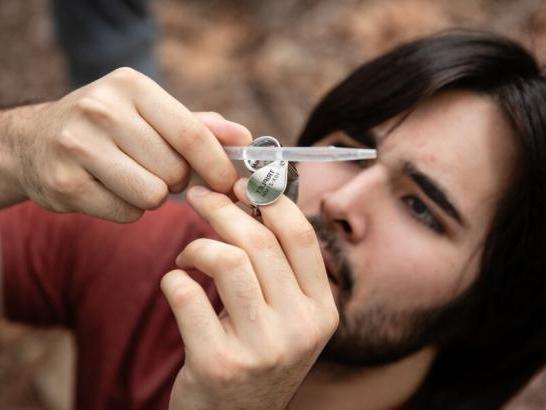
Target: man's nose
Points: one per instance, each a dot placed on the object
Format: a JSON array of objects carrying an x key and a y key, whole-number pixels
[{"x": 353, "y": 206}]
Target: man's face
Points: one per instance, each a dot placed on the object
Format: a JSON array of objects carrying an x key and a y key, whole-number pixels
[{"x": 403, "y": 235}]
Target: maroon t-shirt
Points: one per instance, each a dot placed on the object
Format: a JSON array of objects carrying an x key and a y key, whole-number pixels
[{"x": 101, "y": 280}]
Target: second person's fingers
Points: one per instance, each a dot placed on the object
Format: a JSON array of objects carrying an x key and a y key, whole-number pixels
[
  {"x": 125, "y": 178},
  {"x": 238, "y": 228},
  {"x": 233, "y": 276},
  {"x": 298, "y": 240},
  {"x": 142, "y": 143},
  {"x": 227, "y": 132},
  {"x": 186, "y": 134},
  {"x": 102, "y": 203},
  {"x": 197, "y": 321}
]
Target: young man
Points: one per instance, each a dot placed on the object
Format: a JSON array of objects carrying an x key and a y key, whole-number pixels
[{"x": 433, "y": 251}]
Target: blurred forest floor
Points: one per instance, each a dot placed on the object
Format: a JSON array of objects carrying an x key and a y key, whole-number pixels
[{"x": 262, "y": 63}]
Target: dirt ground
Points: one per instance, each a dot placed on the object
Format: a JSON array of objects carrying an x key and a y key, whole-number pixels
[{"x": 262, "y": 63}]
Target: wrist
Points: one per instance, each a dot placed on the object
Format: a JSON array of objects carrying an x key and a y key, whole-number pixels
[{"x": 14, "y": 131}]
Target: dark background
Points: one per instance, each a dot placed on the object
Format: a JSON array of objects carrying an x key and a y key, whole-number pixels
[{"x": 262, "y": 63}]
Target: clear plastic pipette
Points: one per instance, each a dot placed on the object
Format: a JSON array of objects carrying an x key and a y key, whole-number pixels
[{"x": 300, "y": 154}]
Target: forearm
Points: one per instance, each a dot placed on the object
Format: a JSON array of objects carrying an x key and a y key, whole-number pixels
[{"x": 12, "y": 133}]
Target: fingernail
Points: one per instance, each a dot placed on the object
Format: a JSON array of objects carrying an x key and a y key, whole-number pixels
[
  {"x": 240, "y": 184},
  {"x": 240, "y": 190},
  {"x": 198, "y": 190},
  {"x": 242, "y": 181}
]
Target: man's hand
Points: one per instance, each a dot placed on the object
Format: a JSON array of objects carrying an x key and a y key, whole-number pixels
[
  {"x": 279, "y": 310},
  {"x": 116, "y": 148}
]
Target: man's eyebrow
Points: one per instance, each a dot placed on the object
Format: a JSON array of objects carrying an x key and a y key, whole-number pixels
[{"x": 434, "y": 191}]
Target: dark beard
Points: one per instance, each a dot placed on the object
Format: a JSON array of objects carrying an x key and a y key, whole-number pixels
[{"x": 379, "y": 335}]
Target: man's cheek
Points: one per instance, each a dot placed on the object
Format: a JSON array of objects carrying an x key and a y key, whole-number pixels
[{"x": 406, "y": 283}]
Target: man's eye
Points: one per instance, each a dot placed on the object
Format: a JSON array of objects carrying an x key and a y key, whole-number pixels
[{"x": 421, "y": 212}]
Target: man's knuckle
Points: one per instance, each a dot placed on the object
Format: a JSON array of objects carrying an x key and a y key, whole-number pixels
[
  {"x": 192, "y": 136},
  {"x": 223, "y": 376},
  {"x": 232, "y": 258},
  {"x": 214, "y": 114},
  {"x": 329, "y": 315},
  {"x": 309, "y": 332},
  {"x": 262, "y": 239},
  {"x": 184, "y": 294},
  {"x": 72, "y": 143},
  {"x": 321, "y": 330},
  {"x": 221, "y": 177},
  {"x": 91, "y": 103},
  {"x": 177, "y": 174},
  {"x": 53, "y": 202},
  {"x": 274, "y": 358},
  {"x": 315, "y": 342},
  {"x": 311, "y": 341},
  {"x": 332, "y": 320},
  {"x": 246, "y": 293},
  {"x": 126, "y": 74},
  {"x": 305, "y": 235},
  {"x": 225, "y": 371},
  {"x": 65, "y": 184},
  {"x": 124, "y": 214},
  {"x": 95, "y": 108},
  {"x": 155, "y": 196},
  {"x": 197, "y": 247}
]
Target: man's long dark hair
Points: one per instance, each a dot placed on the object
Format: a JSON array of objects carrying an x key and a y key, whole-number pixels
[{"x": 498, "y": 339}]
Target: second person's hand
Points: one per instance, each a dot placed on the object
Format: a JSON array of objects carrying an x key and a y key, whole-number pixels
[{"x": 117, "y": 147}]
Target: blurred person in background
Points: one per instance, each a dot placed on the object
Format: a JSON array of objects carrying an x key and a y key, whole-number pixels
[
  {"x": 411, "y": 282},
  {"x": 99, "y": 36}
]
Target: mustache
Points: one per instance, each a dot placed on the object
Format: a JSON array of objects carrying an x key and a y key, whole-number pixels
[{"x": 327, "y": 233}]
